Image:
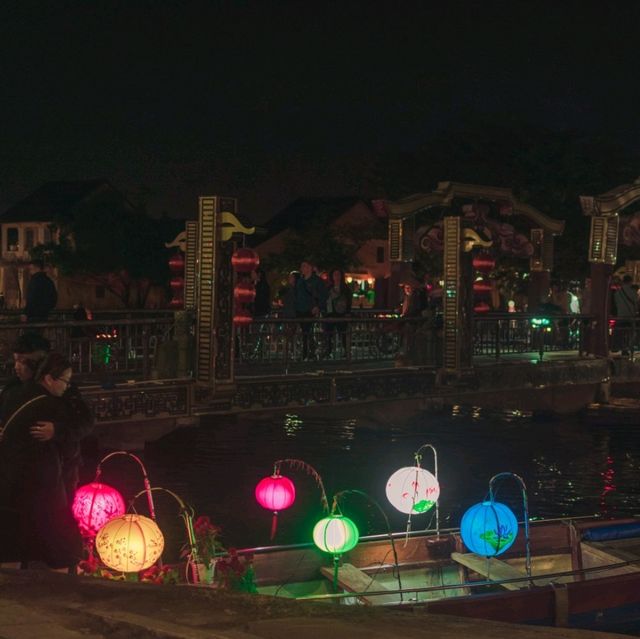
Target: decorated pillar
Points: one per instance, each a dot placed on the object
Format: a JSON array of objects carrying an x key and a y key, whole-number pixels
[
  {"x": 540, "y": 265},
  {"x": 451, "y": 302},
  {"x": 603, "y": 253}
]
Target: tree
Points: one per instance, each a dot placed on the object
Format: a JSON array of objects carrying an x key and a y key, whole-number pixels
[
  {"x": 326, "y": 245},
  {"x": 544, "y": 168},
  {"x": 112, "y": 244}
]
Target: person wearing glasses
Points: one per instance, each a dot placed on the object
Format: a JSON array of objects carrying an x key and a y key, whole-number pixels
[{"x": 35, "y": 450}]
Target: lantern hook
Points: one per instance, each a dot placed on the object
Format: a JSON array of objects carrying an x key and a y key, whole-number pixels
[
  {"x": 352, "y": 491},
  {"x": 145, "y": 477},
  {"x": 186, "y": 513},
  {"x": 525, "y": 508},
  {"x": 418, "y": 458},
  {"x": 298, "y": 464}
]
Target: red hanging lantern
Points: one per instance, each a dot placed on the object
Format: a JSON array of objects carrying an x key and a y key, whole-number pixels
[
  {"x": 176, "y": 284},
  {"x": 484, "y": 263},
  {"x": 482, "y": 307},
  {"x": 176, "y": 263},
  {"x": 245, "y": 260},
  {"x": 275, "y": 493},
  {"x": 242, "y": 317},
  {"x": 480, "y": 287},
  {"x": 94, "y": 505},
  {"x": 244, "y": 292}
]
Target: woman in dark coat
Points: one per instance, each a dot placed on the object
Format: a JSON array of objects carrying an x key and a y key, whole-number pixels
[{"x": 36, "y": 510}]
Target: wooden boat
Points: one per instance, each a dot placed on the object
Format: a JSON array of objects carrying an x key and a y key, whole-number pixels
[{"x": 585, "y": 572}]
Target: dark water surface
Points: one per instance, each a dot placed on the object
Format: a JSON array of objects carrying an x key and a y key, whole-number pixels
[{"x": 569, "y": 467}]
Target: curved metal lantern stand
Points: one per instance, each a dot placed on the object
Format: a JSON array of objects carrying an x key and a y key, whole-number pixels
[
  {"x": 145, "y": 477},
  {"x": 525, "y": 508},
  {"x": 186, "y": 513},
  {"x": 418, "y": 458}
]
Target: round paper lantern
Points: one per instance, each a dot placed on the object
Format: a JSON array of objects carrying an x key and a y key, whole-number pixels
[
  {"x": 129, "y": 543},
  {"x": 412, "y": 490},
  {"x": 275, "y": 493},
  {"x": 481, "y": 307},
  {"x": 94, "y": 505},
  {"x": 482, "y": 287},
  {"x": 245, "y": 260},
  {"x": 484, "y": 263},
  {"x": 176, "y": 263},
  {"x": 489, "y": 528},
  {"x": 242, "y": 317},
  {"x": 244, "y": 292},
  {"x": 335, "y": 534}
]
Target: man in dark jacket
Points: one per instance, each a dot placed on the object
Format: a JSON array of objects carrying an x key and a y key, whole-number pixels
[
  {"x": 42, "y": 296},
  {"x": 310, "y": 301}
]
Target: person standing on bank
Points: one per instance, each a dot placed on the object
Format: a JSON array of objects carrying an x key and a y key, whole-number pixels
[
  {"x": 41, "y": 297},
  {"x": 32, "y": 487},
  {"x": 310, "y": 299},
  {"x": 29, "y": 351}
]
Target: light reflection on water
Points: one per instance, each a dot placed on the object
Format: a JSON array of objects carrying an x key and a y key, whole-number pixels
[{"x": 570, "y": 468}]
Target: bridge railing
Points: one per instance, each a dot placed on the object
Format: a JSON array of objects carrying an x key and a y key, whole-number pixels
[
  {"x": 278, "y": 342},
  {"x": 624, "y": 335},
  {"x": 110, "y": 347},
  {"x": 499, "y": 334}
]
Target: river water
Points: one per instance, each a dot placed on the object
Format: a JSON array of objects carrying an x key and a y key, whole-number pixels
[{"x": 568, "y": 466}]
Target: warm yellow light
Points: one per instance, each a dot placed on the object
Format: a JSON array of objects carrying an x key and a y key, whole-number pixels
[{"x": 129, "y": 543}]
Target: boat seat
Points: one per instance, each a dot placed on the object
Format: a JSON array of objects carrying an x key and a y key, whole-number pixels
[
  {"x": 352, "y": 579},
  {"x": 496, "y": 570}
]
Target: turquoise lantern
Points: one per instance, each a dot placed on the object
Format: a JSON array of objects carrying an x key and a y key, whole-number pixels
[{"x": 489, "y": 528}]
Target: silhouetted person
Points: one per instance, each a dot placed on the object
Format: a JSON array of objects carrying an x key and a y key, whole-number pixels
[{"x": 42, "y": 296}]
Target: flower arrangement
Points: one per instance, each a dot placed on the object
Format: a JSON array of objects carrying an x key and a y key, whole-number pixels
[
  {"x": 207, "y": 537},
  {"x": 235, "y": 572}
]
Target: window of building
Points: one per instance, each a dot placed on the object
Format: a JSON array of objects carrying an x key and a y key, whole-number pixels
[
  {"x": 13, "y": 238},
  {"x": 100, "y": 292},
  {"x": 380, "y": 254},
  {"x": 29, "y": 239},
  {"x": 48, "y": 234}
]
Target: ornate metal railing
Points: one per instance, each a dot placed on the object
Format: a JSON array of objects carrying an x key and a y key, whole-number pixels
[
  {"x": 109, "y": 348},
  {"x": 624, "y": 335},
  {"x": 280, "y": 343},
  {"x": 499, "y": 334}
]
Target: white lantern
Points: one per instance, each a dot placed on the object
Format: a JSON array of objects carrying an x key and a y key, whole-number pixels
[
  {"x": 129, "y": 543},
  {"x": 413, "y": 490}
]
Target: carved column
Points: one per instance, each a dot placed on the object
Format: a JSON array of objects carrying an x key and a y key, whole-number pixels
[
  {"x": 539, "y": 268},
  {"x": 603, "y": 253}
]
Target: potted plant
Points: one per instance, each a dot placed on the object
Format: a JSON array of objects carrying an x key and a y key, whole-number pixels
[{"x": 208, "y": 545}]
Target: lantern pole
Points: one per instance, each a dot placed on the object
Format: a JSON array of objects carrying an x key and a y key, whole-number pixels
[
  {"x": 186, "y": 513},
  {"x": 298, "y": 464},
  {"x": 525, "y": 507},
  {"x": 335, "y": 507},
  {"x": 147, "y": 485},
  {"x": 418, "y": 457}
]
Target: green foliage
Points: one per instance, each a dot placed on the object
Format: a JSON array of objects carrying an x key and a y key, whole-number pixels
[
  {"x": 324, "y": 245},
  {"x": 107, "y": 240}
]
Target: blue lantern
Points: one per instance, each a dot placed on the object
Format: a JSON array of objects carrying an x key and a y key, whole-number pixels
[{"x": 489, "y": 528}]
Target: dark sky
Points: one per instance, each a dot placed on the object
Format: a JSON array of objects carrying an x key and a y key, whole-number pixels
[{"x": 270, "y": 101}]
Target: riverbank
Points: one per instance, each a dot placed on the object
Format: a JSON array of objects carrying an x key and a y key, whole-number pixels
[{"x": 47, "y": 604}]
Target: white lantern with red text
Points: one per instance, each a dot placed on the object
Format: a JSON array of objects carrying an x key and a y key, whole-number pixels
[{"x": 413, "y": 490}]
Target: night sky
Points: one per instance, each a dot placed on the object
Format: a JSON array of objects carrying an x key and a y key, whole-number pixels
[{"x": 270, "y": 101}]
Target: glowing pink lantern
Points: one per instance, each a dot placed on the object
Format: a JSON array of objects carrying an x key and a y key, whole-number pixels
[
  {"x": 94, "y": 505},
  {"x": 275, "y": 493}
]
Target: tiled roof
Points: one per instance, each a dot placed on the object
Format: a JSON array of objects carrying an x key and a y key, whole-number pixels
[{"x": 52, "y": 200}]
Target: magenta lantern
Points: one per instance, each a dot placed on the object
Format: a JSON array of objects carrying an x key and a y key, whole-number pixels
[
  {"x": 275, "y": 493},
  {"x": 94, "y": 505}
]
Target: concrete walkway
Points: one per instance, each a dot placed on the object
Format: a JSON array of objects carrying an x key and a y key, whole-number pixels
[{"x": 45, "y": 605}]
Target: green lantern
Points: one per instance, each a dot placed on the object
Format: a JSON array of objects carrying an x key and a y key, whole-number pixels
[{"x": 335, "y": 534}]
